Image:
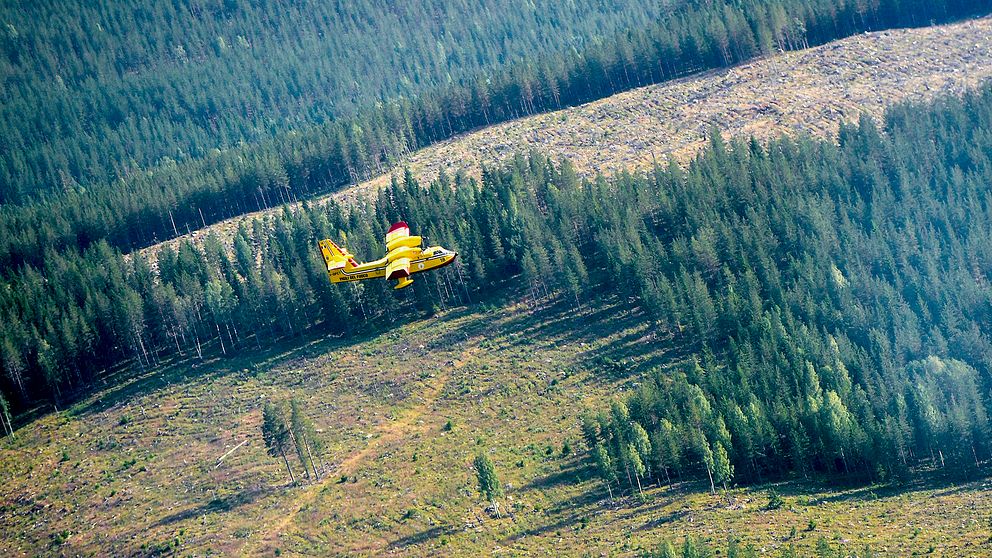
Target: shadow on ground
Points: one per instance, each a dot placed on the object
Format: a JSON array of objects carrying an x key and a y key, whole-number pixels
[
  {"x": 214, "y": 365},
  {"x": 423, "y": 536},
  {"x": 572, "y": 474},
  {"x": 219, "y": 505}
]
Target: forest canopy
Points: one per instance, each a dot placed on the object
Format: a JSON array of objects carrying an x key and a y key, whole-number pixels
[
  {"x": 831, "y": 298},
  {"x": 133, "y": 123},
  {"x": 99, "y": 90}
]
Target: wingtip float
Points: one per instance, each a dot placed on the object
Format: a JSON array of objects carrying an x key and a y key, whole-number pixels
[{"x": 404, "y": 257}]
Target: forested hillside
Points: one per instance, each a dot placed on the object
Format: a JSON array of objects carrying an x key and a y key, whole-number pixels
[
  {"x": 813, "y": 90},
  {"x": 86, "y": 141},
  {"x": 837, "y": 291},
  {"x": 133, "y": 470},
  {"x": 97, "y": 91},
  {"x": 715, "y": 309}
]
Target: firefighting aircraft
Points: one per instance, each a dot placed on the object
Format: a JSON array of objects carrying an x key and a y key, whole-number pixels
[{"x": 404, "y": 257}]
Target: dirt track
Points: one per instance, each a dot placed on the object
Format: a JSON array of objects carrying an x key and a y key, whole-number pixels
[{"x": 812, "y": 90}]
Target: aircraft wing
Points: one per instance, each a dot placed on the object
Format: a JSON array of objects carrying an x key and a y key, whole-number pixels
[{"x": 400, "y": 248}]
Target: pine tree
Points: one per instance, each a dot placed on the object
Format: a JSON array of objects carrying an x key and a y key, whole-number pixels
[
  {"x": 705, "y": 453},
  {"x": 303, "y": 434},
  {"x": 665, "y": 550},
  {"x": 632, "y": 457},
  {"x": 276, "y": 434},
  {"x": 8, "y": 426},
  {"x": 641, "y": 443},
  {"x": 489, "y": 484}
]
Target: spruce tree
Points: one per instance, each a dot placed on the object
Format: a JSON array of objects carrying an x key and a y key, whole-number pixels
[
  {"x": 276, "y": 434},
  {"x": 303, "y": 434},
  {"x": 489, "y": 484}
]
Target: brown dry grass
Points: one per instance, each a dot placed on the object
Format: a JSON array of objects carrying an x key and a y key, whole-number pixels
[
  {"x": 812, "y": 90},
  {"x": 133, "y": 470}
]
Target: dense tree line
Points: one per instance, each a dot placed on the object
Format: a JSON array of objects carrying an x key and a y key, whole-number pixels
[
  {"x": 101, "y": 89},
  {"x": 835, "y": 299},
  {"x": 224, "y": 161},
  {"x": 832, "y": 298}
]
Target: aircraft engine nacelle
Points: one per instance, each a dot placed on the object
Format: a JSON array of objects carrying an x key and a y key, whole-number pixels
[{"x": 400, "y": 249}]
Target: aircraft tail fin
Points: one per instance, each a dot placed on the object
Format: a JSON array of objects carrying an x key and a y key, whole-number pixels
[{"x": 334, "y": 256}]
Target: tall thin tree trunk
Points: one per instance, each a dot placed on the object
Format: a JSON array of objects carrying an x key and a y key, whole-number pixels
[
  {"x": 288, "y": 468},
  {"x": 303, "y": 460},
  {"x": 175, "y": 337},
  {"x": 18, "y": 376},
  {"x": 199, "y": 351},
  {"x": 306, "y": 444},
  {"x": 230, "y": 336},
  {"x": 141, "y": 344},
  {"x": 220, "y": 338}
]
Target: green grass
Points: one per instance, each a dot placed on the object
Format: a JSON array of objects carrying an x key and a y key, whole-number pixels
[{"x": 134, "y": 470}]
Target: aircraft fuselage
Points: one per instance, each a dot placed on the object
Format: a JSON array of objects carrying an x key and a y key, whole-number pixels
[{"x": 430, "y": 258}]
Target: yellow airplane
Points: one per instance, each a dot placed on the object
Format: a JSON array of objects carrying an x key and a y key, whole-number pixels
[{"x": 404, "y": 257}]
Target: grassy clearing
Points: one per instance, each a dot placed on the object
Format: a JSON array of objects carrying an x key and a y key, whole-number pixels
[
  {"x": 134, "y": 470},
  {"x": 811, "y": 91}
]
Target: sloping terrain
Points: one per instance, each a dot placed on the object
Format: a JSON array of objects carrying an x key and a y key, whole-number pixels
[
  {"x": 134, "y": 470},
  {"x": 172, "y": 462},
  {"x": 811, "y": 91}
]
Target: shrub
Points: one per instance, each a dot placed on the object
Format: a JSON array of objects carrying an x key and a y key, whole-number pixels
[{"x": 774, "y": 501}]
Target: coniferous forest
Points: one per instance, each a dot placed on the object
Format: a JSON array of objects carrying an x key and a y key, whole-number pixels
[
  {"x": 168, "y": 116},
  {"x": 831, "y": 299},
  {"x": 624, "y": 360}
]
